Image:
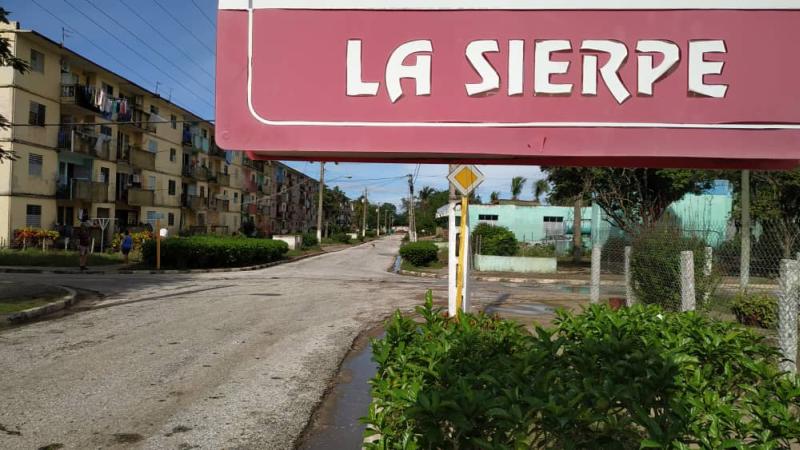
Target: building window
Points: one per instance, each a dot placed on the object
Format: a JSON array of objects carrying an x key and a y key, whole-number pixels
[
  {"x": 33, "y": 216},
  {"x": 553, "y": 226},
  {"x": 37, "y": 61},
  {"x": 152, "y": 146},
  {"x": 204, "y": 133},
  {"x": 173, "y": 120},
  {"x": 235, "y": 197},
  {"x": 105, "y": 175},
  {"x": 154, "y": 109},
  {"x": 173, "y": 155},
  {"x": 171, "y": 219},
  {"x": 151, "y": 218},
  {"x": 109, "y": 89},
  {"x": 151, "y": 183},
  {"x": 171, "y": 188},
  {"x": 34, "y": 165},
  {"x": 37, "y": 114},
  {"x": 492, "y": 217}
]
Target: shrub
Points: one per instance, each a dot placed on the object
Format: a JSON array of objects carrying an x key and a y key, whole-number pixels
[
  {"x": 636, "y": 378},
  {"x": 138, "y": 240},
  {"x": 613, "y": 254},
  {"x": 342, "y": 238},
  {"x": 756, "y": 309},
  {"x": 538, "y": 251},
  {"x": 494, "y": 240},
  {"x": 309, "y": 240},
  {"x": 656, "y": 267},
  {"x": 33, "y": 237},
  {"x": 213, "y": 251},
  {"x": 419, "y": 253}
]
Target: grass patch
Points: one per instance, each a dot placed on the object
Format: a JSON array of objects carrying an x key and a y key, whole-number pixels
[
  {"x": 54, "y": 258},
  {"x": 301, "y": 252},
  {"x": 406, "y": 265},
  {"x": 15, "y": 305}
]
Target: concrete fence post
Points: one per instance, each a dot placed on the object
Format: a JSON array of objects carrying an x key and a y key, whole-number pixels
[
  {"x": 688, "y": 300},
  {"x": 787, "y": 314},
  {"x": 707, "y": 269},
  {"x": 594, "y": 290},
  {"x": 630, "y": 298}
]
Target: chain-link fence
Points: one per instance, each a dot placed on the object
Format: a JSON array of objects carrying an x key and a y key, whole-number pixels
[{"x": 646, "y": 265}]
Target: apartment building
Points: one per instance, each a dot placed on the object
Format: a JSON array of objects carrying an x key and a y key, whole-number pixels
[{"x": 89, "y": 141}]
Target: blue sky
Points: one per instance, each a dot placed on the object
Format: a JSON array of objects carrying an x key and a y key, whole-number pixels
[{"x": 185, "y": 72}]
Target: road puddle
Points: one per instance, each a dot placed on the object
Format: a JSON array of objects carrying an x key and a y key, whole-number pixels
[{"x": 335, "y": 425}]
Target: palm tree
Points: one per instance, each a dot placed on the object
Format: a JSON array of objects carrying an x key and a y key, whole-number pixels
[
  {"x": 517, "y": 183},
  {"x": 425, "y": 194},
  {"x": 540, "y": 188},
  {"x": 494, "y": 197}
]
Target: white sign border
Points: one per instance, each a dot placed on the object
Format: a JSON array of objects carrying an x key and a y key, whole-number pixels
[
  {"x": 451, "y": 178},
  {"x": 510, "y": 4},
  {"x": 255, "y": 4}
]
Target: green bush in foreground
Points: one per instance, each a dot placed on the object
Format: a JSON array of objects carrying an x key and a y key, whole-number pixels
[
  {"x": 419, "y": 253},
  {"x": 494, "y": 240},
  {"x": 636, "y": 378},
  {"x": 342, "y": 238},
  {"x": 198, "y": 252},
  {"x": 756, "y": 309}
]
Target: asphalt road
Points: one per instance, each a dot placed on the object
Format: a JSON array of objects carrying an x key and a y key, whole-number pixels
[{"x": 228, "y": 360}]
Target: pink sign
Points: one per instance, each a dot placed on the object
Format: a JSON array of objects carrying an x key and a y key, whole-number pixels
[{"x": 511, "y": 81}]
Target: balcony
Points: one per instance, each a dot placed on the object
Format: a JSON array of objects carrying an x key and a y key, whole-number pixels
[
  {"x": 140, "y": 197},
  {"x": 84, "y": 190},
  {"x": 194, "y": 140},
  {"x": 224, "y": 179},
  {"x": 142, "y": 159},
  {"x": 83, "y": 96},
  {"x": 196, "y": 203},
  {"x": 197, "y": 172},
  {"x": 84, "y": 140},
  {"x": 251, "y": 186}
]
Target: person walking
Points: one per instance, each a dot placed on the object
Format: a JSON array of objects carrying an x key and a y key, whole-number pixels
[
  {"x": 126, "y": 245},
  {"x": 84, "y": 241}
]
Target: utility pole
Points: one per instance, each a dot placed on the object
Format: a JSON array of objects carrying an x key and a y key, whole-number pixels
[
  {"x": 364, "y": 207},
  {"x": 412, "y": 223},
  {"x": 378, "y": 221},
  {"x": 321, "y": 196}
]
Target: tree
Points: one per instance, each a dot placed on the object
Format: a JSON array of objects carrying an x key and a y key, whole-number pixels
[
  {"x": 517, "y": 183},
  {"x": 634, "y": 198},
  {"x": 540, "y": 188},
  {"x": 425, "y": 193},
  {"x": 774, "y": 205},
  {"x": 7, "y": 59},
  {"x": 494, "y": 197},
  {"x": 571, "y": 186}
]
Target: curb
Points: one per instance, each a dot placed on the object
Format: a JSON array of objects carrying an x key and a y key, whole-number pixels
[
  {"x": 33, "y": 313},
  {"x": 162, "y": 272},
  {"x": 531, "y": 281}
]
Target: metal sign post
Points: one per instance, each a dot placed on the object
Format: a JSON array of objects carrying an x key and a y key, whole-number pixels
[{"x": 465, "y": 178}]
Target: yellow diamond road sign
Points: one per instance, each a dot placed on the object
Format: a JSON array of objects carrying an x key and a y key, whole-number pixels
[{"x": 466, "y": 178}]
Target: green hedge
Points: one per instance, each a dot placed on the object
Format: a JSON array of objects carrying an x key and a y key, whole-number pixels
[
  {"x": 310, "y": 240},
  {"x": 420, "y": 253},
  {"x": 342, "y": 238},
  {"x": 656, "y": 267},
  {"x": 494, "y": 240},
  {"x": 198, "y": 252},
  {"x": 756, "y": 309},
  {"x": 636, "y": 378}
]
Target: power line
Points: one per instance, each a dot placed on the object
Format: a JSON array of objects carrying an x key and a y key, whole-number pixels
[
  {"x": 204, "y": 14},
  {"x": 144, "y": 58},
  {"x": 166, "y": 39},
  {"x": 168, "y": 60},
  {"x": 110, "y": 55},
  {"x": 175, "y": 19}
]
